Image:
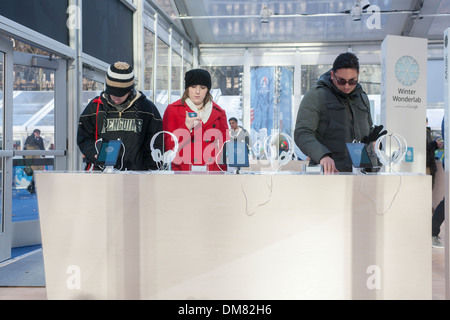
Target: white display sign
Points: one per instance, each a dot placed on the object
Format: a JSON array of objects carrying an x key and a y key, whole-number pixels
[{"x": 404, "y": 96}]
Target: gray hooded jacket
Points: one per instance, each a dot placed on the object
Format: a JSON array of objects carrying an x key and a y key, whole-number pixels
[{"x": 328, "y": 118}]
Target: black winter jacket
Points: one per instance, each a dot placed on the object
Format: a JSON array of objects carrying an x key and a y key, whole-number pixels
[{"x": 135, "y": 125}]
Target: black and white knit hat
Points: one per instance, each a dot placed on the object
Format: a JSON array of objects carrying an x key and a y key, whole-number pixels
[{"x": 119, "y": 79}]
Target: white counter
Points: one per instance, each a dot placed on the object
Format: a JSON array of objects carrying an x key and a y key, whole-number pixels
[{"x": 215, "y": 236}]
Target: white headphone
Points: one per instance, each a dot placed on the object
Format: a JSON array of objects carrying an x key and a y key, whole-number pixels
[
  {"x": 169, "y": 155},
  {"x": 398, "y": 155},
  {"x": 285, "y": 156}
]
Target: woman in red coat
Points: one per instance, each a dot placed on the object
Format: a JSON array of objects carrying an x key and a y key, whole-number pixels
[{"x": 200, "y": 125}]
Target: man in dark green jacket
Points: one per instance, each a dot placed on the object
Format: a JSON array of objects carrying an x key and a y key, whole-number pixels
[{"x": 335, "y": 111}]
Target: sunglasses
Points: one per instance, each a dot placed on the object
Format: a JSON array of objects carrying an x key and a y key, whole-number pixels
[{"x": 343, "y": 82}]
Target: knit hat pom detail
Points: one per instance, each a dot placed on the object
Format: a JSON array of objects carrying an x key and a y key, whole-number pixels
[
  {"x": 119, "y": 79},
  {"x": 121, "y": 65}
]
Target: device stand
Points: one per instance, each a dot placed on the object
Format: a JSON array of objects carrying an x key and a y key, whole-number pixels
[
  {"x": 356, "y": 170},
  {"x": 109, "y": 169}
]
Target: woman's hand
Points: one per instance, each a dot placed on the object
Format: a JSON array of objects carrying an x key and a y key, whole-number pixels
[{"x": 192, "y": 122}]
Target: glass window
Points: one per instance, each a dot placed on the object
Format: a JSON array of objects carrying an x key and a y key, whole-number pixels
[
  {"x": 33, "y": 108},
  {"x": 176, "y": 76},
  {"x": 312, "y": 73},
  {"x": 369, "y": 77},
  {"x": 162, "y": 77},
  {"x": 2, "y": 106},
  {"x": 227, "y": 90},
  {"x": 186, "y": 67},
  {"x": 33, "y": 103},
  {"x": 91, "y": 89},
  {"x": 149, "y": 39},
  {"x": 170, "y": 9}
]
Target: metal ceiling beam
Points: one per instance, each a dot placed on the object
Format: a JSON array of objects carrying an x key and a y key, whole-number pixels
[
  {"x": 417, "y": 25},
  {"x": 417, "y": 5},
  {"x": 182, "y": 10},
  {"x": 297, "y": 15},
  {"x": 161, "y": 13}
]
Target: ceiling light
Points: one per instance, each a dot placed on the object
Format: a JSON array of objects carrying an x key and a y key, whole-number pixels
[
  {"x": 356, "y": 12},
  {"x": 364, "y": 4},
  {"x": 266, "y": 13}
]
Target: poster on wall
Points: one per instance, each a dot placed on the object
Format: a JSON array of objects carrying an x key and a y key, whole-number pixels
[
  {"x": 446, "y": 101},
  {"x": 261, "y": 99},
  {"x": 285, "y": 104}
]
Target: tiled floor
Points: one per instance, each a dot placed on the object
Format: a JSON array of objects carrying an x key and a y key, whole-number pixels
[{"x": 439, "y": 274}]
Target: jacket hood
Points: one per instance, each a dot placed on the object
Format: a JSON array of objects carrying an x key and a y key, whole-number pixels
[{"x": 325, "y": 80}]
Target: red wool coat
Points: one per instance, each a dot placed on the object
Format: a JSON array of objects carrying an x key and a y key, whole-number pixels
[{"x": 202, "y": 145}]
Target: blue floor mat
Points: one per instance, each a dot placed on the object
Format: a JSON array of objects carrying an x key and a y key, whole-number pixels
[
  {"x": 15, "y": 252},
  {"x": 24, "y": 206}
]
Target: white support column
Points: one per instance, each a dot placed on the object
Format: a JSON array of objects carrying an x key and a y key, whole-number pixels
[
  {"x": 447, "y": 161},
  {"x": 74, "y": 81}
]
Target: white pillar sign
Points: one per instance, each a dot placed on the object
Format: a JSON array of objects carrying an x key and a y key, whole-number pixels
[
  {"x": 404, "y": 96},
  {"x": 446, "y": 97},
  {"x": 447, "y": 160}
]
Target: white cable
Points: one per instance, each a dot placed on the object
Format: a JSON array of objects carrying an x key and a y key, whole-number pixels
[
  {"x": 261, "y": 204},
  {"x": 123, "y": 154},
  {"x": 96, "y": 150},
  {"x": 217, "y": 155},
  {"x": 373, "y": 200}
]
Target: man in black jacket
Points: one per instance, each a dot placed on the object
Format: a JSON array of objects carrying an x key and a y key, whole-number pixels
[
  {"x": 439, "y": 213},
  {"x": 121, "y": 112},
  {"x": 34, "y": 140}
]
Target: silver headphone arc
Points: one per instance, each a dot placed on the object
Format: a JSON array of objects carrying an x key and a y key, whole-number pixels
[
  {"x": 285, "y": 156},
  {"x": 169, "y": 155},
  {"x": 398, "y": 155}
]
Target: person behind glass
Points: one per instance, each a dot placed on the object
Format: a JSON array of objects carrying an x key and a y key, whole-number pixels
[
  {"x": 439, "y": 213},
  {"x": 335, "y": 111},
  {"x": 34, "y": 141},
  {"x": 199, "y": 124},
  {"x": 432, "y": 146},
  {"x": 239, "y": 134},
  {"x": 120, "y": 112}
]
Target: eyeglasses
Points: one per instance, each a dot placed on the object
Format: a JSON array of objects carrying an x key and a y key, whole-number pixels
[{"x": 343, "y": 82}]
